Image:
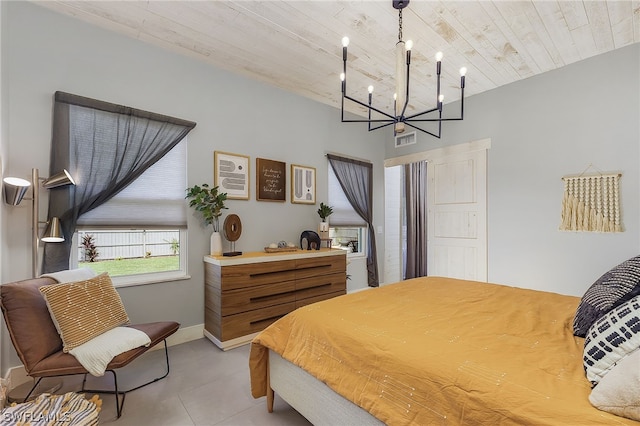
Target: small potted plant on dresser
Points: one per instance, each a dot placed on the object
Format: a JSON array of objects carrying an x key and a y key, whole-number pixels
[
  {"x": 324, "y": 212},
  {"x": 209, "y": 202}
]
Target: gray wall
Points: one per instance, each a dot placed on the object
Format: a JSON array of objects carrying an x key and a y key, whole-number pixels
[
  {"x": 542, "y": 128},
  {"x": 44, "y": 52}
]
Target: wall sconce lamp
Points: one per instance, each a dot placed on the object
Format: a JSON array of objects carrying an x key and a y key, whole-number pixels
[{"x": 14, "y": 191}]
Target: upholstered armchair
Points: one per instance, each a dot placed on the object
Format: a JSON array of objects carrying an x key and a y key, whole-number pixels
[{"x": 40, "y": 346}]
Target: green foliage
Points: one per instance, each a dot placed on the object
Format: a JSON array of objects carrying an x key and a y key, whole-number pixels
[
  {"x": 209, "y": 202},
  {"x": 139, "y": 265},
  {"x": 324, "y": 211},
  {"x": 175, "y": 246},
  {"x": 90, "y": 249}
]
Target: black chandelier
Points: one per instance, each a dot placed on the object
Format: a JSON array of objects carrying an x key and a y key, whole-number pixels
[{"x": 401, "y": 97}]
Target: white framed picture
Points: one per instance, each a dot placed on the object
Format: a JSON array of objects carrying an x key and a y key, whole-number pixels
[
  {"x": 231, "y": 174},
  {"x": 303, "y": 184}
]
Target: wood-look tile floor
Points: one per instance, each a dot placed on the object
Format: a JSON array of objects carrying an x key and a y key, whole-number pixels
[{"x": 205, "y": 386}]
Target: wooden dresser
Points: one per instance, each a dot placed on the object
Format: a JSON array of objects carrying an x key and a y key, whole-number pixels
[{"x": 244, "y": 294}]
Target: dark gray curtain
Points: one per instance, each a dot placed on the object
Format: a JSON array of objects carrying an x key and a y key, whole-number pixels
[
  {"x": 415, "y": 192},
  {"x": 356, "y": 180},
  {"x": 105, "y": 147}
]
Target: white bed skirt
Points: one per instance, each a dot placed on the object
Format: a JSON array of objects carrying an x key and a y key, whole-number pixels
[{"x": 313, "y": 399}]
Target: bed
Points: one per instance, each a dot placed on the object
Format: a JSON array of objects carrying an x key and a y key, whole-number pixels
[{"x": 430, "y": 351}]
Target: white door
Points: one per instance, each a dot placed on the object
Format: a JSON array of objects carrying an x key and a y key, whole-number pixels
[{"x": 457, "y": 215}]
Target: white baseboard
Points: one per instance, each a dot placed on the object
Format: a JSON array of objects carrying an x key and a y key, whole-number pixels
[
  {"x": 17, "y": 376},
  {"x": 230, "y": 344}
]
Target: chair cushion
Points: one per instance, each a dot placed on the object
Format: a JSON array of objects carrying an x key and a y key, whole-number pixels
[
  {"x": 61, "y": 363},
  {"x": 27, "y": 318},
  {"x": 84, "y": 309}
]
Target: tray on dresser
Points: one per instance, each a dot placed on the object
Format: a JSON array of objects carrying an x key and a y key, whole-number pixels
[{"x": 280, "y": 249}]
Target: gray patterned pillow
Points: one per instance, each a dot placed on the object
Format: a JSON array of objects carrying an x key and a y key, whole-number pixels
[
  {"x": 610, "y": 290},
  {"x": 611, "y": 339}
]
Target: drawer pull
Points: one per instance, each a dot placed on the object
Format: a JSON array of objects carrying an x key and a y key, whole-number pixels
[
  {"x": 264, "y": 274},
  {"x": 268, "y": 296},
  {"x": 316, "y": 286},
  {"x": 324, "y": 266},
  {"x": 270, "y": 319}
]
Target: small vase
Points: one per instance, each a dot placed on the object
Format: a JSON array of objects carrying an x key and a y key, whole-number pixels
[
  {"x": 216, "y": 244},
  {"x": 323, "y": 230}
]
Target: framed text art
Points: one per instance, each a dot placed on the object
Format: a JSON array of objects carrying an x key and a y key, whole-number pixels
[
  {"x": 303, "y": 184},
  {"x": 231, "y": 174},
  {"x": 271, "y": 176}
]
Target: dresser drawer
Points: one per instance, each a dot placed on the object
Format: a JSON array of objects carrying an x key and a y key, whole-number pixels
[
  {"x": 248, "y": 299},
  {"x": 324, "y": 265},
  {"x": 254, "y": 274},
  {"x": 315, "y": 286},
  {"x": 253, "y": 321}
]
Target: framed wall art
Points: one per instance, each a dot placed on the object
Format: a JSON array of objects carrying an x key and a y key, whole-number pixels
[
  {"x": 271, "y": 176},
  {"x": 303, "y": 184},
  {"x": 231, "y": 174}
]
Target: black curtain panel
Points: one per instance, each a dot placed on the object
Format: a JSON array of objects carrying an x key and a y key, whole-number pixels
[{"x": 356, "y": 180}]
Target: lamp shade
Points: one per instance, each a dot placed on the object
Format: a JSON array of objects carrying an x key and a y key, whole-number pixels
[
  {"x": 53, "y": 232},
  {"x": 59, "y": 179},
  {"x": 14, "y": 189}
]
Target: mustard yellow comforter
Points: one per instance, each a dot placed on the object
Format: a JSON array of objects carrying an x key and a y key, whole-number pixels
[{"x": 433, "y": 351}]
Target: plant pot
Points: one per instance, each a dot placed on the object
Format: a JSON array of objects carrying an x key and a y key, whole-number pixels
[
  {"x": 323, "y": 230},
  {"x": 216, "y": 244}
]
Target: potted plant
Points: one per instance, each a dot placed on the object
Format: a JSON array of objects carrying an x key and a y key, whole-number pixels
[
  {"x": 324, "y": 212},
  {"x": 210, "y": 203}
]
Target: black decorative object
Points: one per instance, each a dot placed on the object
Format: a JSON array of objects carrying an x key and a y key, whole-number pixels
[
  {"x": 401, "y": 97},
  {"x": 311, "y": 238}
]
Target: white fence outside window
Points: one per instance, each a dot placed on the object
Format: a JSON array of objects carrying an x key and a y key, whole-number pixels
[{"x": 130, "y": 243}]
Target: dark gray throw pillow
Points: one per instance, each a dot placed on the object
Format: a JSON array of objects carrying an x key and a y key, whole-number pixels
[{"x": 610, "y": 290}]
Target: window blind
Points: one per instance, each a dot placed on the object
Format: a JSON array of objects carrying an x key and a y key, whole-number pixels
[{"x": 155, "y": 199}]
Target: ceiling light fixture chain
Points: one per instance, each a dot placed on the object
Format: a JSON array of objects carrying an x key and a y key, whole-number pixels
[
  {"x": 401, "y": 98},
  {"x": 399, "y": 25}
]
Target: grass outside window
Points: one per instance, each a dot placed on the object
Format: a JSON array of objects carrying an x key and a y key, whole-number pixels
[{"x": 119, "y": 267}]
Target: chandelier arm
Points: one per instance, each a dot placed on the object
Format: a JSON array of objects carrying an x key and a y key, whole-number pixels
[
  {"x": 364, "y": 120},
  {"x": 425, "y": 120},
  {"x": 462, "y": 99},
  {"x": 381, "y": 126},
  {"x": 460, "y": 118},
  {"x": 411, "y": 117},
  {"x": 370, "y": 107},
  {"x": 406, "y": 98},
  {"x": 426, "y": 131}
]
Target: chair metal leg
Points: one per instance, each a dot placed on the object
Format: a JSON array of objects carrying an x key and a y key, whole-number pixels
[
  {"x": 117, "y": 393},
  {"x": 26, "y": 398}
]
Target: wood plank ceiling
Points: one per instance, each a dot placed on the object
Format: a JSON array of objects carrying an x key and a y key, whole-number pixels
[{"x": 296, "y": 45}]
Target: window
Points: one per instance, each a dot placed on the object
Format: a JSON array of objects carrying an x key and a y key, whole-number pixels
[
  {"x": 139, "y": 235},
  {"x": 347, "y": 229}
]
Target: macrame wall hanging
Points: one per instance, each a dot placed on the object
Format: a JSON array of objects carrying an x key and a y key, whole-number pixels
[{"x": 591, "y": 203}]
